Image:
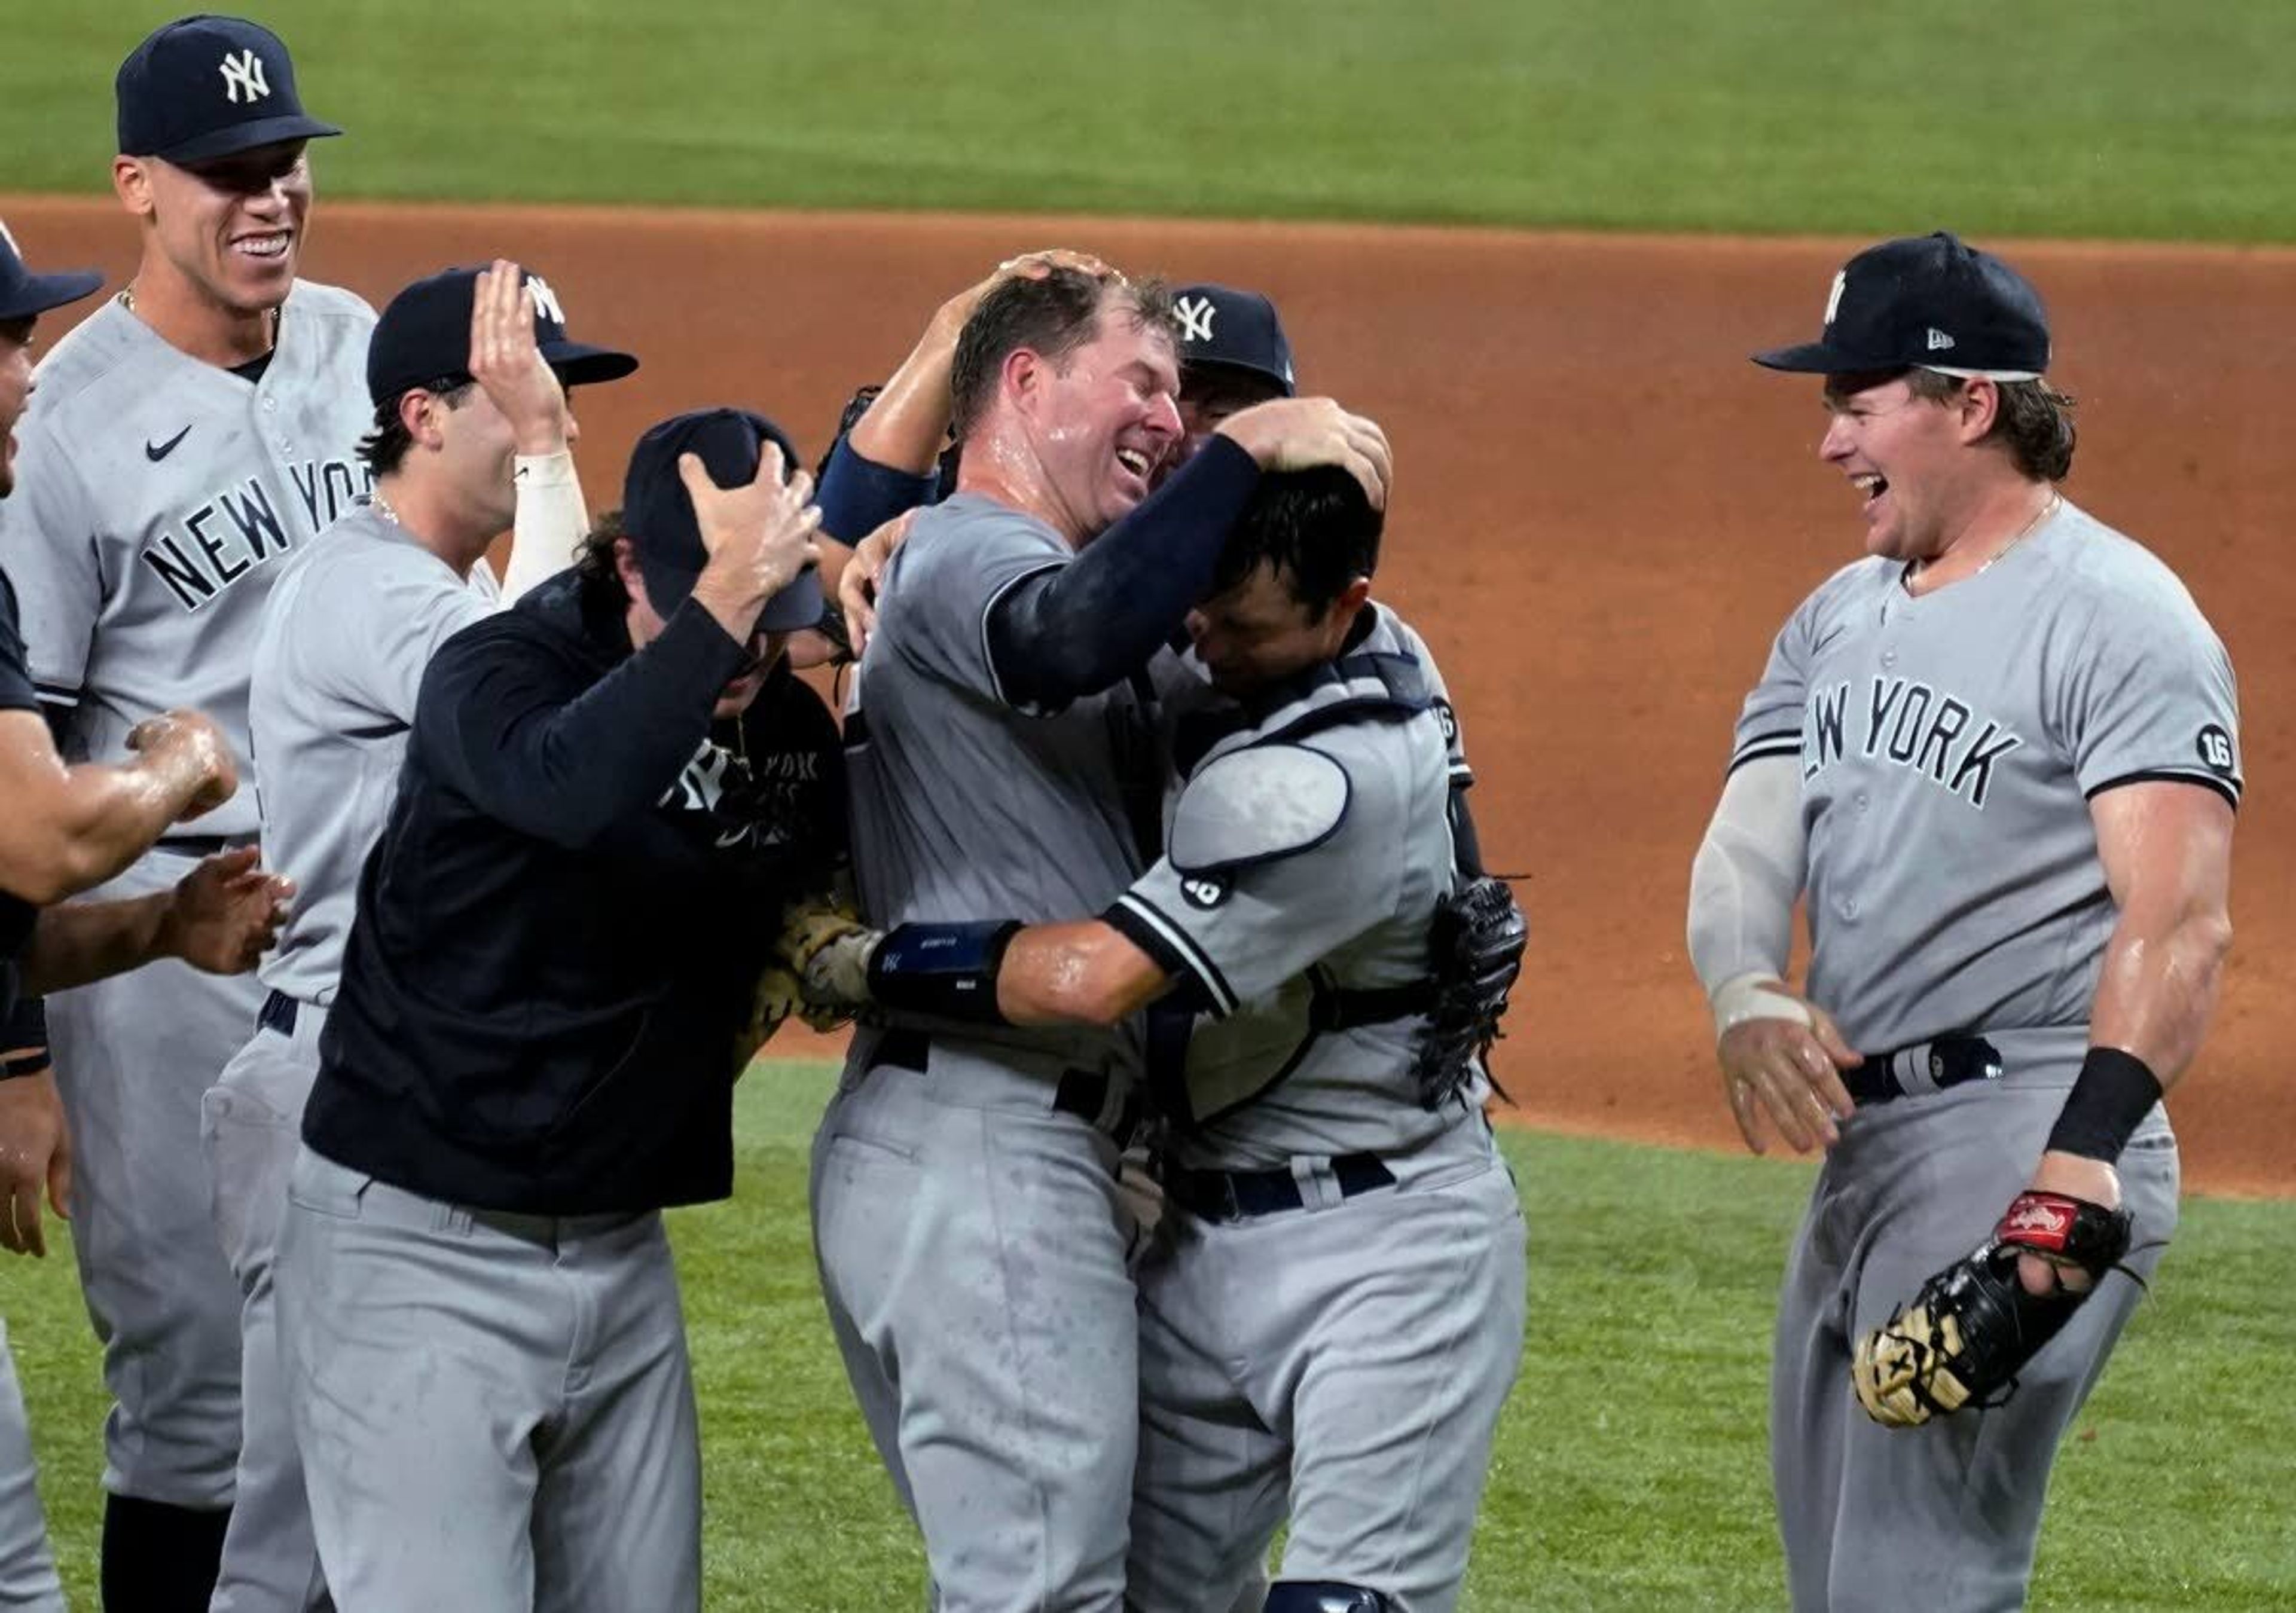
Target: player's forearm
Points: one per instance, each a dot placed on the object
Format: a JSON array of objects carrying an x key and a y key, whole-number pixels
[
  {"x": 1745, "y": 878},
  {"x": 1076, "y": 974},
  {"x": 77, "y": 942},
  {"x": 85, "y": 824},
  {"x": 551, "y": 522},
  {"x": 1080, "y": 628},
  {"x": 568, "y": 772},
  {"x": 858, "y": 495},
  {"x": 2157, "y": 988},
  {"x": 905, "y": 425}
]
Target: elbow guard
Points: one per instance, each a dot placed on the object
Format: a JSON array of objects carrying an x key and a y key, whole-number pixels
[{"x": 944, "y": 970}]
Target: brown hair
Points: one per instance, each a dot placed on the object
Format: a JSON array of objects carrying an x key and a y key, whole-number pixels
[
  {"x": 1052, "y": 316},
  {"x": 2035, "y": 421},
  {"x": 387, "y": 444}
]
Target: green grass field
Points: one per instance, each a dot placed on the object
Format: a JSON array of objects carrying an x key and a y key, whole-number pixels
[
  {"x": 2119, "y": 118},
  {"x": 1631, "y": 1471}
]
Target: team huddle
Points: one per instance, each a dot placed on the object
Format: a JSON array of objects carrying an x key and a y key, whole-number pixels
[{"x": 382, "y": 938}]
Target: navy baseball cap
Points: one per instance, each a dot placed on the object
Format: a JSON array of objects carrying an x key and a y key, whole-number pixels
[
  {"x": 423, "y": 338},
  {"x": 1223, "y": 328},
  {"x": 1928, "y": 302},
  {"x": 204, "y": 87},
  {"x": 658, "y": 512},
  {"x": 24, "y": 294}
]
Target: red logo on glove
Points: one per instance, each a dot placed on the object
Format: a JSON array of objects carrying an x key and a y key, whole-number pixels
[{"x": 2041, "y": 1220}]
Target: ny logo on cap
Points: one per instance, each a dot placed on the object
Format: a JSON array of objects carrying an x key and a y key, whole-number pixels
[
  {"x": 243, "y": 79},
  {"x": 1834, "y": 298},
  {"x": 1195, "y": 318},
  {"x": 546, "y": 305}
]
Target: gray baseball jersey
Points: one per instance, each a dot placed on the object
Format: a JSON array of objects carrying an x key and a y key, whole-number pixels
[
  {"x": 159, "y": 495},
  {"x": 349, "y": 628},
  {"x": 970, "y": 1241},
  {"x": 1307, "y": 849},
  {"x": 1347, "y": 906},
  {"x": 962, "y": 805},
  {"x": 350, "y": 625},
  {"x": 1949, "y": 745}
]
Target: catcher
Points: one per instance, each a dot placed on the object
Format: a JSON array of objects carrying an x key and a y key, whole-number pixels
[
  {"x": 1325, "y": 1149},
  {"x": 1997, "y": 757}
]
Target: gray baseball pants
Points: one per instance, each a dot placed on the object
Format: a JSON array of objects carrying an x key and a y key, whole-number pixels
[
  {"x": 1343, "y": 1366},
  {"x": 28, "y": 1571},
  {"x": 972, "y": 1255},
  {"x": 1947, "y": 1513},
  {"x": 493, "y": 1411},
  {"x": 251, "y": 1122},
  {"x": 134, "y": 1056}
]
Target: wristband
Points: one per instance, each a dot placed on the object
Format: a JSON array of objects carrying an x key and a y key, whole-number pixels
[
  {"x": 26, "y": 1061},
  {"x": 2115, "y": 1091},
  {"x": 1751, "y": 997},
  {"x": 946, "y": 970}
]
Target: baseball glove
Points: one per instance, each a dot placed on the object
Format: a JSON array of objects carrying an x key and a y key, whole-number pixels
[
  {"x": 777, "y": 996},
  {"x": 1963, "y": 1337},
  {"x": 1478, "y": 942},
  {"x": 826, "y": 948}
]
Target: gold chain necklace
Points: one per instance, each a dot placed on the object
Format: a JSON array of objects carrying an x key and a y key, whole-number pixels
[
  {"x": 2056, "y": 501},
  {"x": 128, "y": 301}
]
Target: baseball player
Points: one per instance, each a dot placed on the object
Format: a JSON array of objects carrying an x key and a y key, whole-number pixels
[
  {"x": 546, "y": 998},
  {"x": 465, "y": 369},
  {"x": 185, "y": 439},
  {"x": 66, "y": 829},
  {"x": 1998, "y": 756},
  {"x": 978, "y": 1286},
  {"x": 1328, "y": 1145}
]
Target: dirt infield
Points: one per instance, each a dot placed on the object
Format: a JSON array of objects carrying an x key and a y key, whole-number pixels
[{"x": 1604, "y": 512}]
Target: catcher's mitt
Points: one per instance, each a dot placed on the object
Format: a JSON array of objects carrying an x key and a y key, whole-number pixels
[
  {"x": 1963, "y": 1338},
  {"x": 1478, "y": 942}
]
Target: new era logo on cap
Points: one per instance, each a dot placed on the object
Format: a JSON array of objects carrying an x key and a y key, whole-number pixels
[{"x": 1900, "y": 305}]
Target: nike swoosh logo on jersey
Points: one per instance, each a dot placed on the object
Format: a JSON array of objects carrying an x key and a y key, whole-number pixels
[{"x": 156, "y": 452}]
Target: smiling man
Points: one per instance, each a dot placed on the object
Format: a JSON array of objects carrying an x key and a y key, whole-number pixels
[
  {"x": 1002, "y": 763},
  {"x": 1325, "y": 1145},
  {"x": 1997, "y": 757},
  {"x": 469, "y": 369},
  {"x": 184, "y": 438}
]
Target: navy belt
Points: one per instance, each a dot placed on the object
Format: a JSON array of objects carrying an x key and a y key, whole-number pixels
[
  {"x": 278, "y": 1013},
  {"x": 1081, "y": 1092},
  {"x": 1925, "y": 1066},
  {"x": 1233, "y": 1195}
]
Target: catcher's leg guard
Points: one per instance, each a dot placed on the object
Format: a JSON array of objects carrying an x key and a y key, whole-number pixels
[{"x": 1323, "y": 1596}]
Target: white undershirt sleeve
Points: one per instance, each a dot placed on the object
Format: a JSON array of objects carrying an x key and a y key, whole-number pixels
[
  {"x": 552, "y": 521},
  {"x": 1743, "y": 884}
]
